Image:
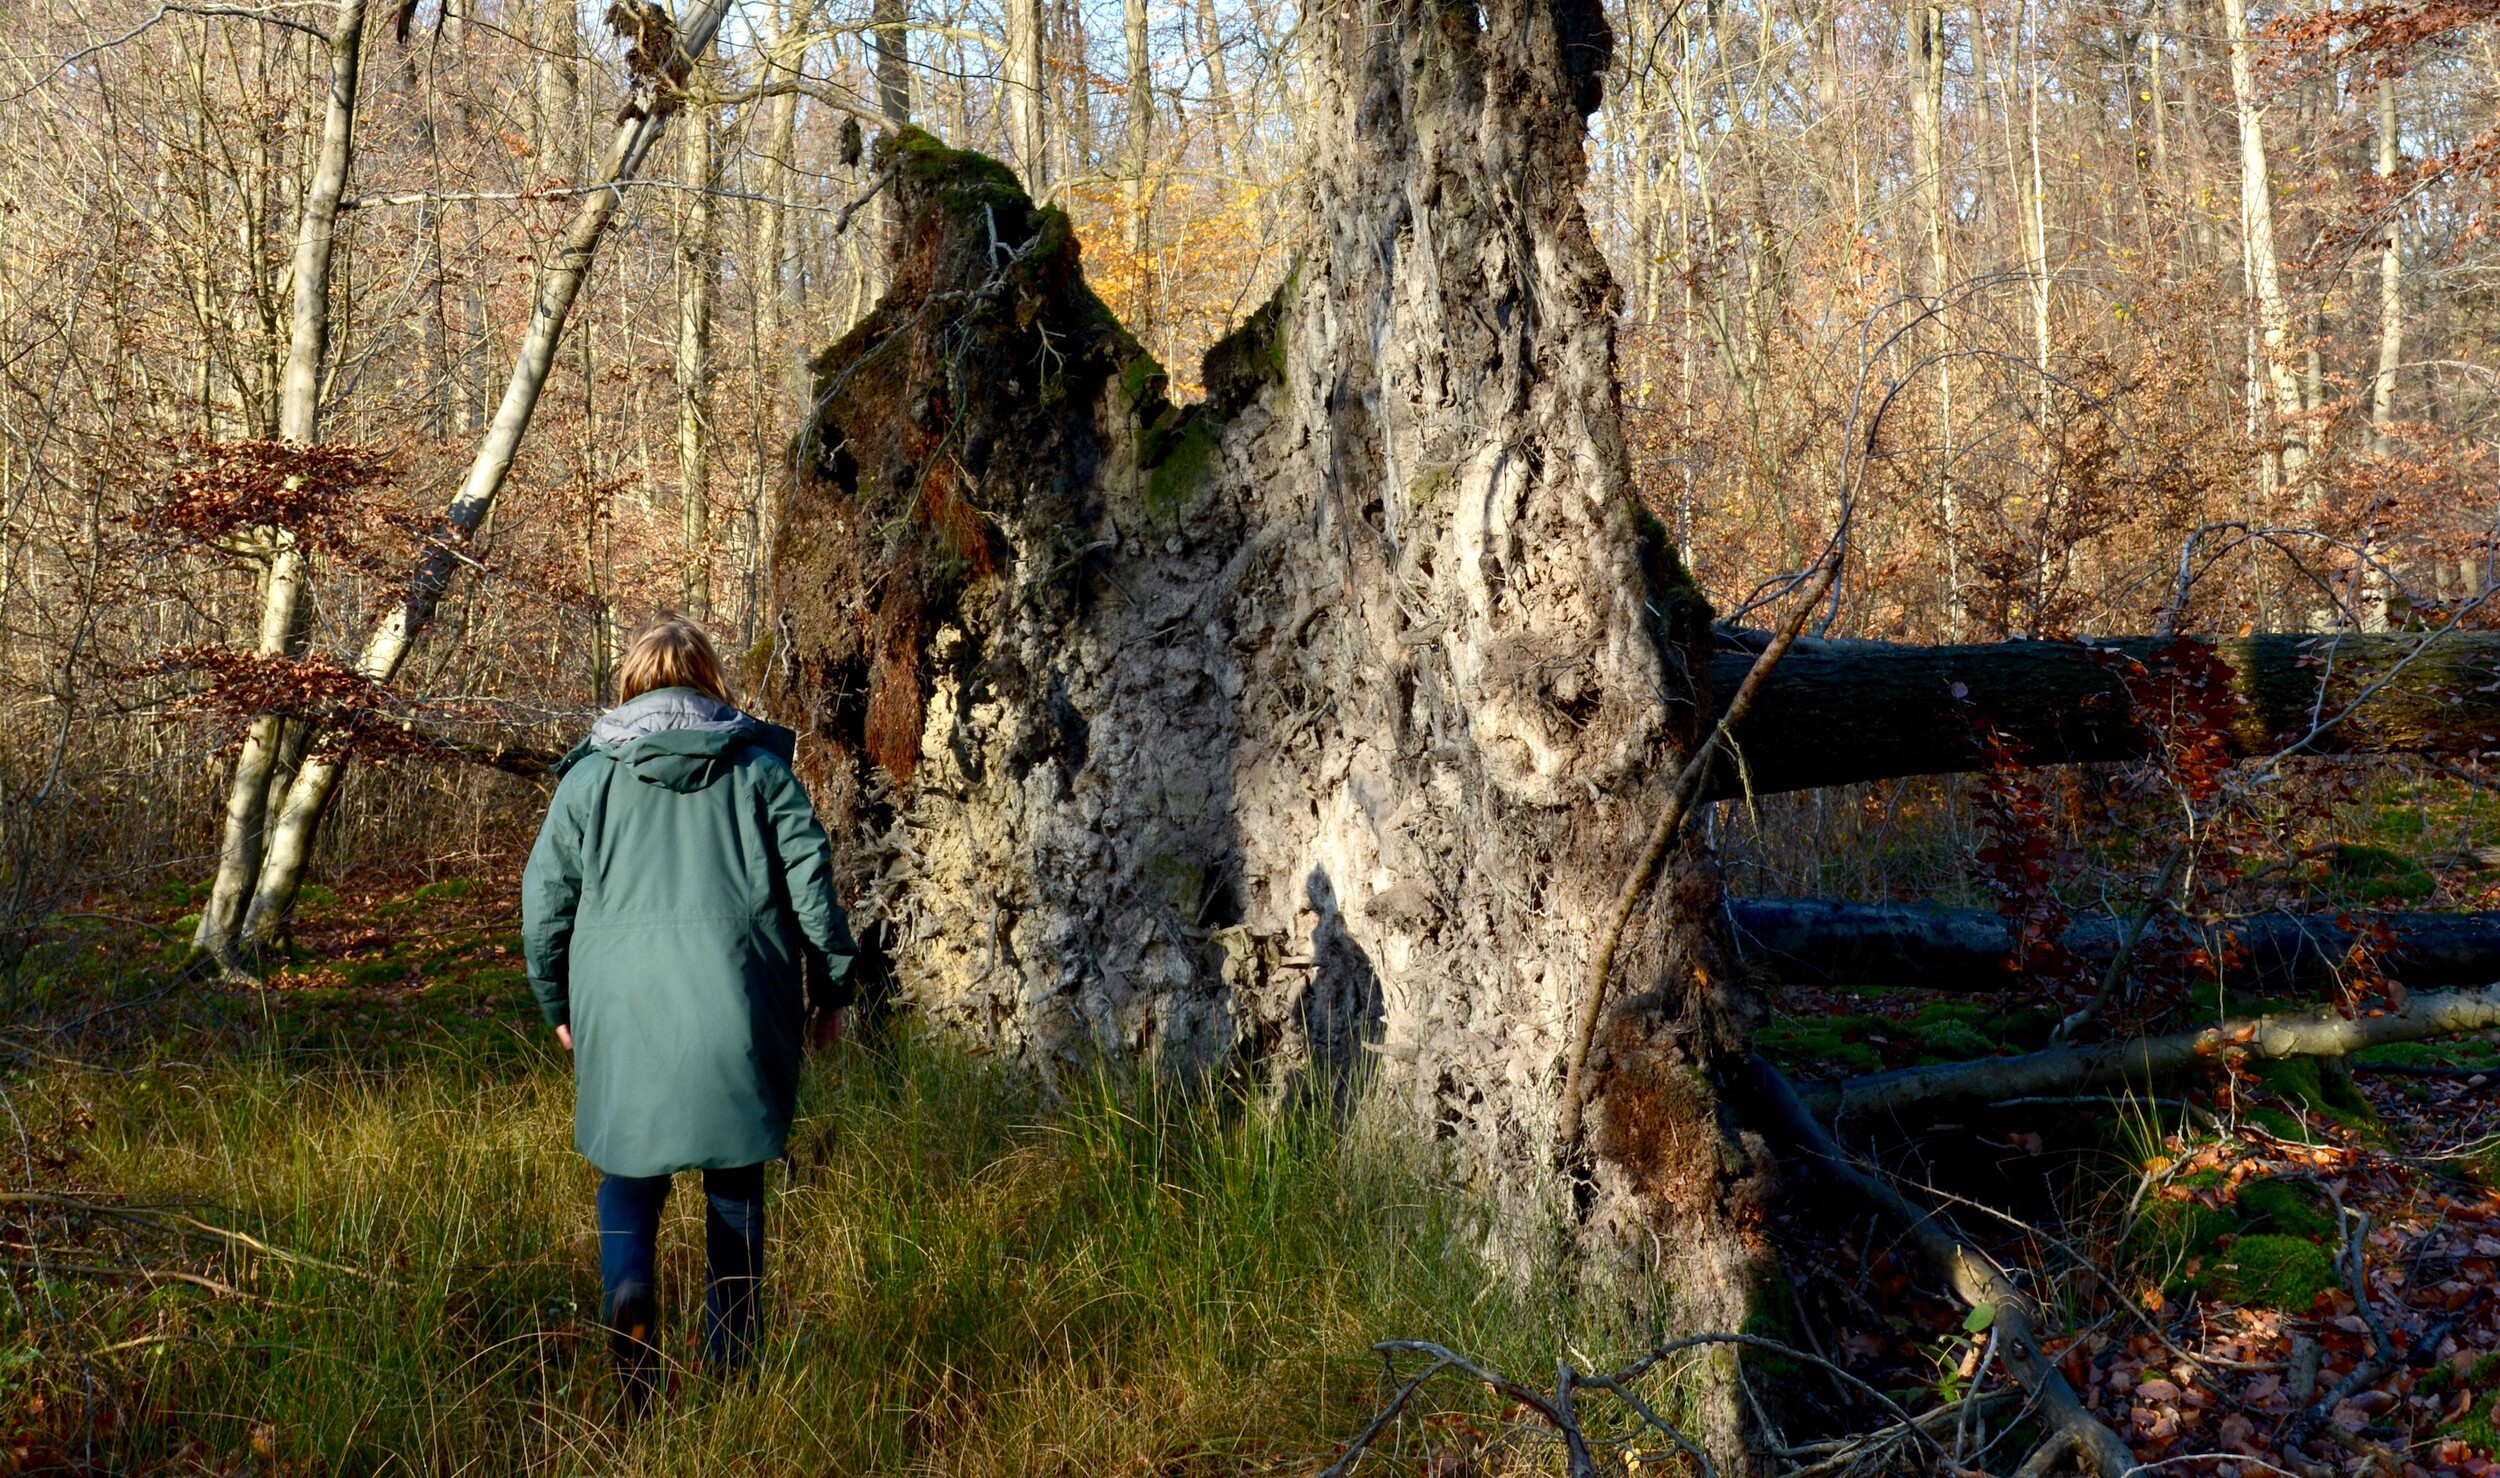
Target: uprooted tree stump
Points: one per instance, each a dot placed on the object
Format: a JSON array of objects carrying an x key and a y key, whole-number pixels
[{"x": 1308, "y": 732}]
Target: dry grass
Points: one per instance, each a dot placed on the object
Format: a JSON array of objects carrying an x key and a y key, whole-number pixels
[{"x": 963, "y": 1278}]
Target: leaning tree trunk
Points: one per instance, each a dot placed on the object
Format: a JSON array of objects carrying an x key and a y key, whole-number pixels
[
  {"x": 660, "y": 62},
  {"x": 271, "y": 744},
  {"x": 1309, "y": 732}
]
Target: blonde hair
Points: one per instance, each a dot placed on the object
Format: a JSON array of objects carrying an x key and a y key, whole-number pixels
[{"x": 671, "y": 652}]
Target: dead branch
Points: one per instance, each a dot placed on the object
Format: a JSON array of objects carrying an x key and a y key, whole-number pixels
[
  {"x": 47, "y": 1266},
  {"x": 1557, "y": 1411},
  {"x": 1974, "y": 1279},
  {"x": 2068, "y": 1070},
  {"x": 180, "y": 1222},
  {"x": 1688, "y": 784}
]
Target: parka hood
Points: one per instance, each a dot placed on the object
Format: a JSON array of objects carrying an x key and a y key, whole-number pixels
[{"x": 679, "y": 738}]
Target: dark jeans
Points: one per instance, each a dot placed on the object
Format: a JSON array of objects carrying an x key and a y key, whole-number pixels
[{"x": 733, "y": 1246}]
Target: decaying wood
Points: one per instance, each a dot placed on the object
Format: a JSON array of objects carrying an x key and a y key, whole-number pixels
[
  {"x": 2066, "y": 1070},
  {"x": 1839, "y": 713},
  {"x": 1974, "y": 1279},
  {"x": 1304, "y": 734},
  {"x": 1817, "y": 941}
]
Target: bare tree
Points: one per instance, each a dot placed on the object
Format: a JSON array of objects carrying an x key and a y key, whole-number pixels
[{"x": 270, "y": 739}]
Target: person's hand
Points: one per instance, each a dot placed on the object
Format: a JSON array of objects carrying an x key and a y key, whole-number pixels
[
  {"x": 826, "y": 1030},
  {"x": 564, "y": 1037}
]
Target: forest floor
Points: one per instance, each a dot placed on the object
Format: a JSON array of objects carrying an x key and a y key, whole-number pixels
[{"x": 336, "y": 1225}]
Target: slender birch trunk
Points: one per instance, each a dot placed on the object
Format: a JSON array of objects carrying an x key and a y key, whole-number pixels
[
  {"x": 2391, "y": 350},
  {"x": 640, "y": 125},
  {"x": 698, "y": 275},
  {"x": 2290, "y": 454},
  {"x": 266, "y": 744}
]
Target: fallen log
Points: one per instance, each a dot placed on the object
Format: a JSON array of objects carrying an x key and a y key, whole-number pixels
[
  {"x": 1837, "y": 713},
  {"x": 2138, "y": 1061},
  {"x": 1976, "y": 1281},
  {"x": 1817, "y": 941}
]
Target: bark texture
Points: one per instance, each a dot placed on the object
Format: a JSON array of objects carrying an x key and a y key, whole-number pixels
[{"x": 1305, "y": 734}]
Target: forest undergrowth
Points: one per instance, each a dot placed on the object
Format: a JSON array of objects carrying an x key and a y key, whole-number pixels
[{"x": 338, "y": 1226}]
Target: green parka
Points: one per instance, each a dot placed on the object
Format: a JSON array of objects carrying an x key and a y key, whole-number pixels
[{"x": 669, "y": 912}]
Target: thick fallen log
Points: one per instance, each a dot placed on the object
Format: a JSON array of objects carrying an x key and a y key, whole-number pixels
[
  {"x": 2137, "y": 1062},
  {"x": 1976, "y": 1281},
  {"x": 1837, "y": 713},
  {"x": 1816, "y": 941}
]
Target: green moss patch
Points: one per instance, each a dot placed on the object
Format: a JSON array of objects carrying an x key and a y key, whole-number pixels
[{"x": 2269, "y": 1270}]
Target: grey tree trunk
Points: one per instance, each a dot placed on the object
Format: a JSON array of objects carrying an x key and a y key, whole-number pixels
[
  {"x": 1815, "y": 941},
  {"x": 2375, "y": 584},
  {"x": 265, "y": 744},
  {"x": 1027, "y": 110},
  {"x": 1308, "y": 733},
  {"x": 1844, "y": 712},
  {"x": 1141, "y": 125},
  {"x": 2265, "y": 278},
  {"x": 891, "y": 40}
]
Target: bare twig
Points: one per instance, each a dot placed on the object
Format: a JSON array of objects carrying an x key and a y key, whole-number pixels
[{"x": 145, "y": 1275}]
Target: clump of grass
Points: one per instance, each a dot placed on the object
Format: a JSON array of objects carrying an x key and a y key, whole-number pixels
[{"x": 963, "y": 1278}]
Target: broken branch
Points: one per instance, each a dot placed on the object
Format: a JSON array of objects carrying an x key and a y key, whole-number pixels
[
  {"x": 2068, "y": 1070},
  {"x": 1974, "y": 1279}
]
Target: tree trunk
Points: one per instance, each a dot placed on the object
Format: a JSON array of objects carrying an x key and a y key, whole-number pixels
[
  {"x": 698, "y": 275},
  {"x": 775, "y": 410},
  {"x": 1815, "y": 941},
  {"x": 1927, "y": 47},
  {"x": 1838, "y": 713},
  {"x": 1219, "y": 82},
  {"x": 239, "y": 848},
  {"x": 2375, "y": 584},
  {"x": 2060, "y": 1071},
  {"x": 891, "y": 40},
  {"x": 1308, "y": 732},
  {"x": 1028, "y": 116},
  {"x": 640, "y": 125},
  {"x": 1141, "y": 133},
  {"x": 2265, "y": 281}
]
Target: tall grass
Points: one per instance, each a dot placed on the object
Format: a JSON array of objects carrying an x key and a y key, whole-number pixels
[{"x": 963, "y": 1278}]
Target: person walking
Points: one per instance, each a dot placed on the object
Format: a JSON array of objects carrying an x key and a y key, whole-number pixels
[{"x": 679, "y": 919}]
